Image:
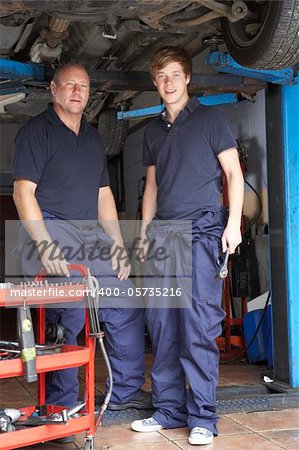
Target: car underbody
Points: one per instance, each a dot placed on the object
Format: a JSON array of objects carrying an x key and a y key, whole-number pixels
[{"x": 115, "y": 39}]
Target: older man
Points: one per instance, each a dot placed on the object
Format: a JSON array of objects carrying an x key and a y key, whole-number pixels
[{"x": 60, "y": 179}]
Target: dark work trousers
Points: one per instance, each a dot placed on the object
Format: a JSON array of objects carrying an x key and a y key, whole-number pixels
[
  {"x": 183, "y": 338},
  {"x": 121, "y": 314}
]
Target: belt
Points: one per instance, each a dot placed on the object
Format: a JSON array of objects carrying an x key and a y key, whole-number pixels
[{"x": 79, "y": 224}]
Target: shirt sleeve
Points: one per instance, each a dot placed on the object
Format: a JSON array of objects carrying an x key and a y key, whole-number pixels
[
  {"x": 105, "y": 178},
  {"x": 30, "y": 154},
  {"x": 147, "y": 155},
  {"x": 221, "y": 135}
]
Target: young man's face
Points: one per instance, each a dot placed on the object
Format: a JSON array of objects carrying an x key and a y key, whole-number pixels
[
  {"x": 71, "y": 92},
  {"x": 172, "y": 82}
]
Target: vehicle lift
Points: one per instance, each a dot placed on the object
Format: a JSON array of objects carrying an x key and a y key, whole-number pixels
[{"x": 282, "y": 93}]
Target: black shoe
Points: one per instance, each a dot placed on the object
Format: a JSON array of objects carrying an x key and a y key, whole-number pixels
[
  {"x": 142, "y": 401},
  {"x": 65, "y": 440}
]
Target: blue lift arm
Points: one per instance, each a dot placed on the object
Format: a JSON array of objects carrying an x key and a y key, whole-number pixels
[
  {"x": 218, "y": 99},
  {"x": 15, "y": 70},
  {"x": 224, "y": 63}
]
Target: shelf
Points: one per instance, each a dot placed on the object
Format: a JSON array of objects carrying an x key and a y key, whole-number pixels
[
  {"x": 41, "y": 433},
  {"x": 70, "y": 356}
]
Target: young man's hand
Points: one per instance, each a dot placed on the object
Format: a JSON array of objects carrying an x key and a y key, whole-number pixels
[
  {"x": 120, "y": 261},
  {"x": 231, "y": 238}
]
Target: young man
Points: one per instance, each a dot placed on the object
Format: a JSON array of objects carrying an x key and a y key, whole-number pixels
[
  {"x": 185, "y": 149},
  {"x": 61, "y": 191}
]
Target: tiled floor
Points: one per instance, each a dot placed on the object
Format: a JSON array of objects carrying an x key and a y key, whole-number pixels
[{"x": 249, "y": 431}]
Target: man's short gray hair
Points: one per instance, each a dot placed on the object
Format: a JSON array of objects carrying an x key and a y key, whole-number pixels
[{"x": 62, "y": 68}]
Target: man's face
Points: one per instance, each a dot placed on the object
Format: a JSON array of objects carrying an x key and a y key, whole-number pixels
[
  {"x": 171, "y": 82},
  {"x": 71, "y": 92}
]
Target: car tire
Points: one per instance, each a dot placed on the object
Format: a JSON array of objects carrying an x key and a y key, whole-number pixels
[
  {"x": 112, "y": 131},
  {"x": 275, "y": 45}
]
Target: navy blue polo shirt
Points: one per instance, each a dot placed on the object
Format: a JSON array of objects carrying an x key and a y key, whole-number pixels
[
  {"x": 188, "y": 173},
  {"x": 68, "y": 169}
]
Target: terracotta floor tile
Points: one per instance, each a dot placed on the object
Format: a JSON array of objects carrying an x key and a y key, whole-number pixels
[
  {"x": 123, "y": 435},
  {"x": 13, "y": 394},
  {"x": 175, "y": 434},
  {"x": 226, "y": 427},
  {"x": 147, "y": 386},
  {"x": 287, "y": 439},
  {"x": 100, "y": 387},
  {"x": 234, "y": 429},
  {"x": 241, "y": 373},
  {"x": 8, "y": 383},
  {"x": 224, "y": 383},
  {"x": 244, "y": 442},
  {"x": 158, "y": 446},
  {"x": 240, "y": 380},
  {"x": 268, "y": 420},
  {"x": 115, "y": 438},
  {"x": 52, "y": 446}
]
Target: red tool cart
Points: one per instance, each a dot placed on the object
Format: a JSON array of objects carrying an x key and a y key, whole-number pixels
[{"x": 69, "y": 356}]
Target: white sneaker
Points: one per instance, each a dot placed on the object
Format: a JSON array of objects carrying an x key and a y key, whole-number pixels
[
  {"x": 200, "y": 436},
  {"x": 146, "y": 425}
]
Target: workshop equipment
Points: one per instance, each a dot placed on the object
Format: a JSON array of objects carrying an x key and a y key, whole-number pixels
[
  {"x": 43, "y": 427},
  {"x": 27, "y": 342},
  {"x": 92, "y": 299},
  {"x": 223, "y": 265},
  {"x": 13, "y": 348},
  {"x": 7, "y": 417}
]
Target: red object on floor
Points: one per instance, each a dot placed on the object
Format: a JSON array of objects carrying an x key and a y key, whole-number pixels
[{"x": 70, "y": 356}]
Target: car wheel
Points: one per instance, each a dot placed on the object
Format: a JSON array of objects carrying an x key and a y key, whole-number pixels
[
  {"x": 268, "y": 38},
  {"x": 112, "y": 131}
]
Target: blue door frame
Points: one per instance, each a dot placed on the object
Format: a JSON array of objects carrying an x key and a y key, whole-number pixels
[
  {"x": 283, "y": 191},
  {"x": 290, "y": 117}
]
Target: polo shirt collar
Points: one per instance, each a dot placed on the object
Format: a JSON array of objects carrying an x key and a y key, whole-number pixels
[
  {"x": 54, "y": 119},
  {"x": 189, "y": 108}
]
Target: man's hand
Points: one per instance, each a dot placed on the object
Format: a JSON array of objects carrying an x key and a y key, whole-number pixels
[
  {"x": 231, "y": 238},
  {"x": 120, "y": 261},
  {"x": 54, "y": 262}
]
